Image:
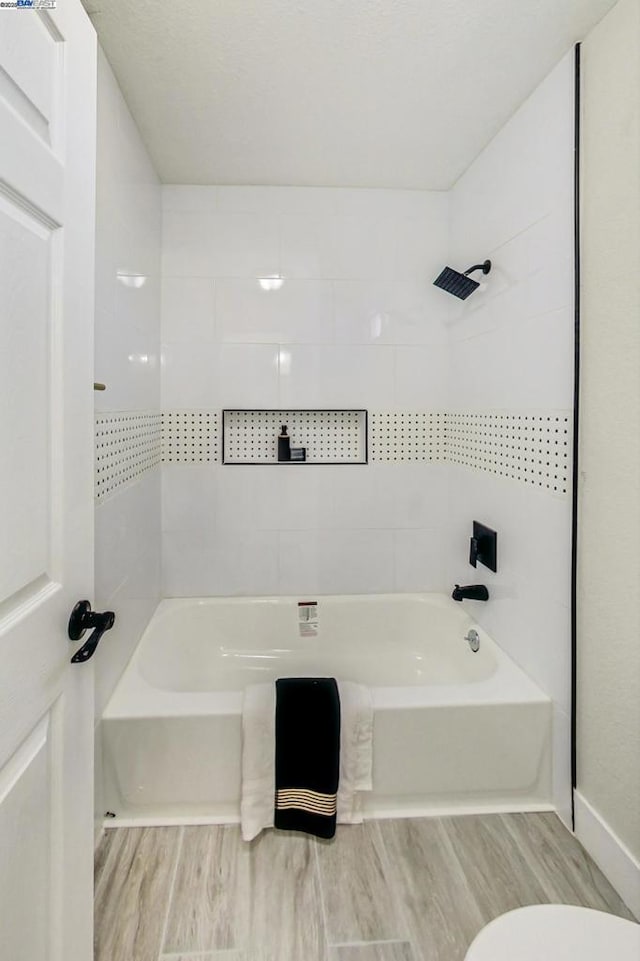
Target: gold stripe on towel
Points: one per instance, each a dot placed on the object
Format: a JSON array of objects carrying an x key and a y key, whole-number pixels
[
  {"x": 314, "y": 797},
  {"x": 328, "y": 808},
  {"x": 306, "y": 800}
]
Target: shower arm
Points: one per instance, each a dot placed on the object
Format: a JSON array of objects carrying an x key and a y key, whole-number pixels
[{"x": 485, "y": 268}]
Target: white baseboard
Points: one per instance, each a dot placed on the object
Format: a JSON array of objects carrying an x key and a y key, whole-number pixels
[{"x": 612, "y": 857}]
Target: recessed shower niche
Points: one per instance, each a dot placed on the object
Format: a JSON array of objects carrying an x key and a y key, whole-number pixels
[{"x": 250, "y": 437}]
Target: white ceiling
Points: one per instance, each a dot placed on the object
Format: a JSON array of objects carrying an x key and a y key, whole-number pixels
[{"x": 374, "y": 93}]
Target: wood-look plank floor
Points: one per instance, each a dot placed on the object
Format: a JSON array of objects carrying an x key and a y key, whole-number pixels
[{"x": 403, "y": 890}]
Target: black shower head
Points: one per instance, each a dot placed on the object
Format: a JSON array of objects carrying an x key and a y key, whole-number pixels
[{"x": 460, "y": 285}]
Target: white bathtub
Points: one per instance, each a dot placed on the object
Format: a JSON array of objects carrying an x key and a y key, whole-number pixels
[{"x": 454, "y": 731}]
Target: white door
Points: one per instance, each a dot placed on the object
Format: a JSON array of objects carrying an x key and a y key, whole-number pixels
[{"x": 47, "y": 174}]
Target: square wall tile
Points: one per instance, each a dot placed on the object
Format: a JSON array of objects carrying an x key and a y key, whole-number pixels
[
  {"x": 356, "y": 498},
  {"x": 127, "y": 349},
  {"x": 248, "y": 498},
  {"x": 336, "y": 376},
  {"x": 300, "y": 311},
  {"x": 247, "y": 375},
  {"x": 187, "y": 243},
  {"x": 236, "y": 563},
  {"x": 389, "y": 312},
  {"x": 364, "y": 247},
  {"x": 188, "y": 311},
  {"x": 299, "y": 497},
  {"x": 421, "y": 494},
  {"x": 540, "y": 373},
  {"x": 246, "y": 562},
  {"x": 244, "y": 244},
  {"x": 419, "y": 562},
  {"x": 420, "y": 247},
  {"x": 422, "y": 377},
  {"x": 189, "y": 497},
  {"x": 533, "y": 153},
  {"x": 190, "y": 371},
  {"x": 189, "y": 567},
  {"x": 306, "y": 246},
  {"x": 336, "y": 562}
]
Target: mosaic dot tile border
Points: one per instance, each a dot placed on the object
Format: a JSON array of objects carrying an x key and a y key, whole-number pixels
[
  {"x": 127, "y": 444},
  {"x": 190, "y": 436},
  {"x": 533, "y": 448},
  {"x": 397, "y": 437}
]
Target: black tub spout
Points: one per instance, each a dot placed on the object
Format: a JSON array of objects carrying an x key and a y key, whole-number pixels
[{"x": 473, "y": 592}]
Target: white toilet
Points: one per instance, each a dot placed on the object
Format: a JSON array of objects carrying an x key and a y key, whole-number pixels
[{"x": 557, "y": 932}]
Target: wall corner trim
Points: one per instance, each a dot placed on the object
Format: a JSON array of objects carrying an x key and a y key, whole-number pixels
[{"x": 612, "y": 857}]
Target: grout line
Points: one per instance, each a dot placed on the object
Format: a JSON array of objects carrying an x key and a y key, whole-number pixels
[
  {"x": 214, "y": 310},
  {"x": 334, "y": 320},
  {"x": 277, "y": 217},
  {"x": 205, "y": 955},
  {"x": 171, "y": 892},
  {"x": 366, "y": 944}
]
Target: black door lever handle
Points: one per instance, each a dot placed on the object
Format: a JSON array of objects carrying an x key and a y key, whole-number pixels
[{"x": 84, "y": 619}]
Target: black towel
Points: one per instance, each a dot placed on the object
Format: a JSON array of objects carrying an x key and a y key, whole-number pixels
[{"x": 307, "y": 755}]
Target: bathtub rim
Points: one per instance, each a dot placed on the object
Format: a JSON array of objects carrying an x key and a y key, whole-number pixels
[{"x": 135, "y": 697}]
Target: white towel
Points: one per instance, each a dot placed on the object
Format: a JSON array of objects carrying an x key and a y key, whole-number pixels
[
  {"x": 356, "y": 750},
  {"x": 258, "y": 759},
  {"x": 258, "y": 755}
]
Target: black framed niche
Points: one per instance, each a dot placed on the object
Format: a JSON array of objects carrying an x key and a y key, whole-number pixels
[{"x": 337, "y": 437}]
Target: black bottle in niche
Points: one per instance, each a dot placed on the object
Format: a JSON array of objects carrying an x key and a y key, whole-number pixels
[{"x": 284, "y": 444}]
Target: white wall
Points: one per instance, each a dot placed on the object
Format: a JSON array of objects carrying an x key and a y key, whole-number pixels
[
  {"x": 128, "y": 234},
  {"x": 511, "y": 351},
  {"x": 608, "y": 799},
  {"x": 356, "y": 323}
]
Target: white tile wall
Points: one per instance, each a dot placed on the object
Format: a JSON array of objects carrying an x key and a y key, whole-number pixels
[
  {"x": 127, "y": 359},
  {"x": 419, "y": 560},
  {"x": 389, "y": 312},
  {"x": 249, "y": 375},
  {"x": 189, "y": 374},
  {"x": 189, "y": 499},
  {"x": 188, "y": 310},
  {"x": 512, "y": 347},
  {"x": 127, "y": 444},
  {"x": 336, "y": 561},
  {"x": 422, "y": 379},
  {"x": 319, "y": 375},
  {"x": 299, "y": 312},
  {"x": 561, "y": 769},
  {"x": 127, "y": 570},
  {"x": 338, "y": 529},
  {"x": 356, "y": 323},
  {"x": 237, "y": 562}
]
